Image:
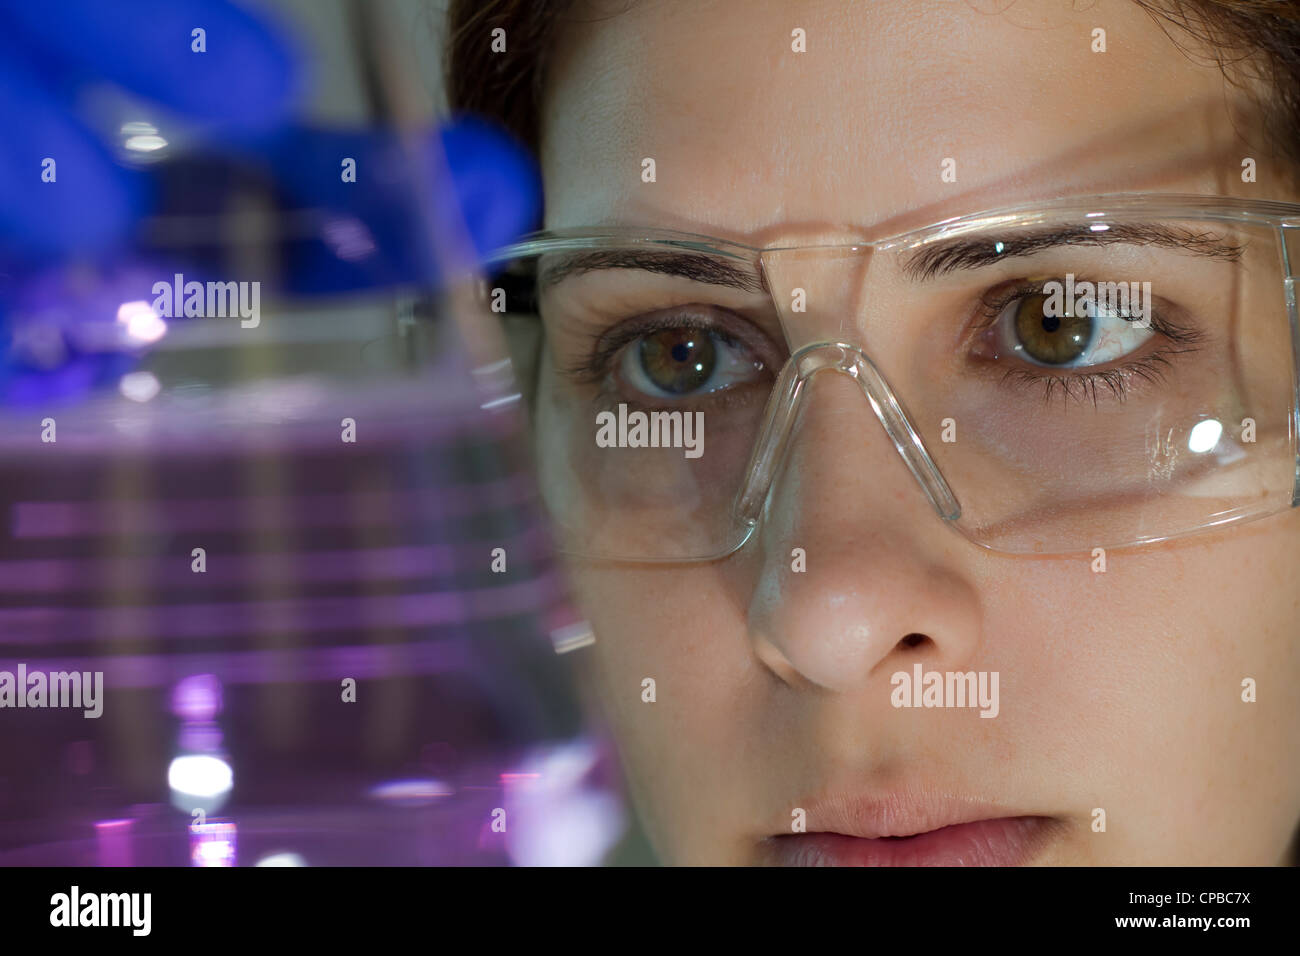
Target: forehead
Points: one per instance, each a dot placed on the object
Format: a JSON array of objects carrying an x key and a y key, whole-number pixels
[{"x": 754, "y": 141}]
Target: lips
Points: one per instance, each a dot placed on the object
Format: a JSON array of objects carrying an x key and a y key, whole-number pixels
[{"x": 911, "y": 829}]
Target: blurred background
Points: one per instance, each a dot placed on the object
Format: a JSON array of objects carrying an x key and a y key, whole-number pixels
[{"x": 264, "y": 461}]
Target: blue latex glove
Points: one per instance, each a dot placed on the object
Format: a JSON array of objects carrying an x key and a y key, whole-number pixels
[
  {"x": 85, "y": 203},
  {"x": 475, "y": 178},
  {"x": 241, "y": 88},
  {"x": 50, "y": 53}
]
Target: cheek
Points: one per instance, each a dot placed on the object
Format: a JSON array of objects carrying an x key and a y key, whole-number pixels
[
  {"x": 674, "y": 627},
  {"x": 682, "y": 754},
  {"x": 1132, "y": 686}
]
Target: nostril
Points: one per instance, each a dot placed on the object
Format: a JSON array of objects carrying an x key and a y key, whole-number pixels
[{"x": 913, "y": 640}]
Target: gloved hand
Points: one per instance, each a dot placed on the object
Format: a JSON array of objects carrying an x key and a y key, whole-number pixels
[
  {"x": 238, "y": 91},
  {"x": 473, "y": 178},
  {"x": 52, "y": 55}
]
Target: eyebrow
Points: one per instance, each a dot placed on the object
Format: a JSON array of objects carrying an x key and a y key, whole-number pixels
[
  {"x": 686, "y": 265},
  {"x": 943, "y": 257},
  {"x": 932, "y": 260}
]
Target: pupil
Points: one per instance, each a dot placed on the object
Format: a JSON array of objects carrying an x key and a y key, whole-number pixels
[
  {"x": 678, "y": 361},
  {"x": 1051, "y": 339}
]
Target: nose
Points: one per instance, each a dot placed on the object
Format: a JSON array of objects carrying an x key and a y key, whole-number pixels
[{"x": 857, "y": 573}]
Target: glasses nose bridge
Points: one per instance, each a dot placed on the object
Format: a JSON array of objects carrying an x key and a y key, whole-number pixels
[
  {"x": 818, "y": 290},
  {"x": 791, "y": 391}
]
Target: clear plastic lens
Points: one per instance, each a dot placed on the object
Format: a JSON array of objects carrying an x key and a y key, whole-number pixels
[
  {"x": 1162, "y": 432},
  {"x": 1055, "y": 385}
]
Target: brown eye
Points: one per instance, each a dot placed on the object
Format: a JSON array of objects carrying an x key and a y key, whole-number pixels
[
  {"x": 1050, "y": 339},
  {"x": 678, "y": 361}
]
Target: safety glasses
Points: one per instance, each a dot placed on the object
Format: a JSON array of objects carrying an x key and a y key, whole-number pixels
[{"x": 1097, "y": 371}]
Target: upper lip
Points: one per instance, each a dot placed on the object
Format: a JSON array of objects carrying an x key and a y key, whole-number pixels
[{"x": 898, "y": 812}]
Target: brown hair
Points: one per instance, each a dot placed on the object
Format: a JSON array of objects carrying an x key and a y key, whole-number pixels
[{"x": 506, "y": 88}]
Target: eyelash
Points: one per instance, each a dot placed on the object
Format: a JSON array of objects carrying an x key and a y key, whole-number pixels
[
  {"x": 594, "y": 369},
  {"x": 1081, "y": 386}
]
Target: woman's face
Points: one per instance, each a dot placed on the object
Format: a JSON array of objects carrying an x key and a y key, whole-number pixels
[{"x": 1119, "y": 691}]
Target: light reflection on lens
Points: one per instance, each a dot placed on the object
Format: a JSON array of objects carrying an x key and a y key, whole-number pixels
[{"x": 1204, "y": 436}]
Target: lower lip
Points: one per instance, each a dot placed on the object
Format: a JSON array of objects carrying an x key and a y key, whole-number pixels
[{"x": 1009, "y": 841}]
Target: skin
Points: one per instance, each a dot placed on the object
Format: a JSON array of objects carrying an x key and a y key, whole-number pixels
[{"x": 1119, "y": 690}]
